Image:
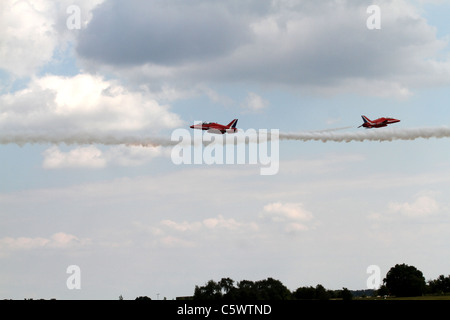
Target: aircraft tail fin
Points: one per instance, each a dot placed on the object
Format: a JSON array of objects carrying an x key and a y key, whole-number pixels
[
  {"x": 233, "y": 123},
  {"x": 365, "y": 119}
]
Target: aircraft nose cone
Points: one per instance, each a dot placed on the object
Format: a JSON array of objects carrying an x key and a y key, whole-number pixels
[{"x": 192, "y": 127}]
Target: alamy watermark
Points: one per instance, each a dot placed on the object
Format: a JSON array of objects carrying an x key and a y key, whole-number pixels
[
  {"x": 74, "y": 280},
  {"x": 374, "y": 280},
  {"x": 245, "y": 147},
  {"x": 373, "y": 22},
  {"x": 73, "y": 21}
]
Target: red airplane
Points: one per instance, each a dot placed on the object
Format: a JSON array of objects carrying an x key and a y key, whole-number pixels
[
  {"x": 378, "y": 123},
  {"x": 213, "y": 127}
]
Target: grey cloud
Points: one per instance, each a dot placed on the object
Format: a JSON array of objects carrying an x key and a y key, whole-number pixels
[
  {"x": 299, "y": 43},
  {"x": 166, "y": 33}
]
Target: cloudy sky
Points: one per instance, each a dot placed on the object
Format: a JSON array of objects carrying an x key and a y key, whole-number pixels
[{"x": 78, "y": 78}]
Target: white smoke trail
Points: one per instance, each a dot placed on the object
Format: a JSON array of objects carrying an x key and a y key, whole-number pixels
[
  {"x": 382, "y": 134},
  {"x": 85, "y": 138}
]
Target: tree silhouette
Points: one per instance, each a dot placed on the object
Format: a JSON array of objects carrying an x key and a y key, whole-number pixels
[
  {"x": 321, "y": 293},
  {"x": 346, "y": 294},
  {"x": 268, "y": 289},
  {"x": 440, "y": 285},
  {"x": 142, "y": 298},
  {"x": 405, "y": 281},
  {"x": 305, "y": 293}
]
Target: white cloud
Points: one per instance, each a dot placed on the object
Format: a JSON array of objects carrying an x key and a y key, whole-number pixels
[
  {"x": 291, "y": 214},
  {"x": 287, "y": 211},
  {"x": 57, "y": 240},
  {"x": 181, "y": 226},
  {"x": 62, "y": 240},
  {"x": 254, "y": 103},
  {"x": 131, "y": 156},
  {"x": 422, "y": 206},
  {"x": 30, "y": 31},
  {"x": 86, "y": 157},
  {"x": 231, "y": 224},
  {"x": 189, "y": 234},
  {"x": 27, "y": 36},
  {"x": 23, "y": 243},
  {"x": 55, "y": 106},
  {"x": 93, "y": 157},
  {"x": 216, "y": 223}
]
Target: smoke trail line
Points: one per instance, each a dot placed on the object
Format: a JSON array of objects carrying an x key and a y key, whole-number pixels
[
  {"x": 370, "y": 135},
  {"x": 331, "y": 129},
  {"x": 383, "y": 134},
  {"x": 84, "y": 138}
]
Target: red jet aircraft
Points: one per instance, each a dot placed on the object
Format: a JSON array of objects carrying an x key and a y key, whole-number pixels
[
  {"x": 213, "y": 127},
  {"x": 378, "y": 123}
]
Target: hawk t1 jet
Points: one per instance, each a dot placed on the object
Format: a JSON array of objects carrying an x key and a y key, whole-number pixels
[
  {"x": 213, "y": 127},
  {"x": 378, "y": 123}
]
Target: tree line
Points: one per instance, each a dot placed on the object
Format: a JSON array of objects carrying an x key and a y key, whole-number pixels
[
  {"x": 403, "y": 280},
  {"x": 400, "y": 281},
  {"x": 267, "y": 289}
]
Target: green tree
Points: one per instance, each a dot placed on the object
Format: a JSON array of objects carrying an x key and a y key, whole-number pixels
[
  {"x": 321, "y": 293},
  {"x": 142, "y": 298},
  {"x": 226, "y": 285},
  {"x": 346, "y": 294},
  {"x": 304, "y": 293},
  {"x": 382, "y": 291},
  {"x": 246, "y": 290},
  {"x": 311, "y": 293},
  {"x": 210, "y": 291},
  {"x": 440, "y": 285},
  {"x": 271, "y": 289},
  {"x": 268, "y": 289},
  {"x": 405, "y": 281}
]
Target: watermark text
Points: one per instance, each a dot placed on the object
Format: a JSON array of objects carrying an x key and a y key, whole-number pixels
[
  {"x": 246, "y": 147},
  {"x": 374, "y": 280},
  {"x": 74, "y": 280}
]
